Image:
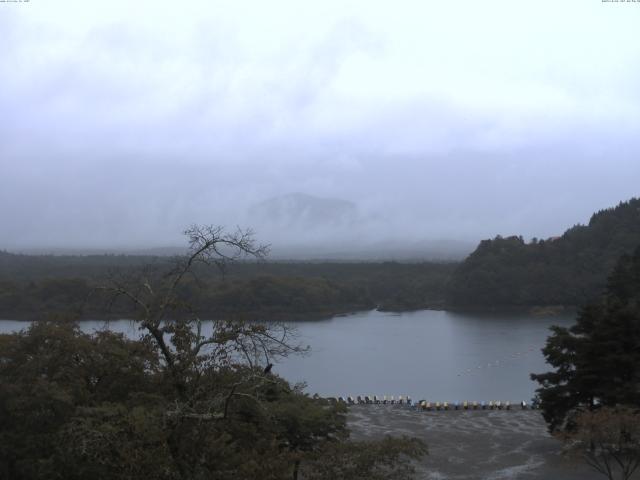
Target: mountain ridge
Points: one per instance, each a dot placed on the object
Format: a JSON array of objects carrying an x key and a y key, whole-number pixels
[{"x": 568, "y": 270}]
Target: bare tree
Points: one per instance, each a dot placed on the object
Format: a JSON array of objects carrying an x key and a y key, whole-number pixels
[
  {"x": 609, "y": 440},
  {"x": 178, "y": 333}
]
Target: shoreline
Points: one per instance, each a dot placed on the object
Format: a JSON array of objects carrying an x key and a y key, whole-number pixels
[
  {"x": 534, "y": 310},
  {"x": 473, "y": 444}
]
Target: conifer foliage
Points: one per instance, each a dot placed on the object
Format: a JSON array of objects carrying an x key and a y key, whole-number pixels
[
  {"x": 568, "y": 270},
  {"x": 597, "y": 360}
]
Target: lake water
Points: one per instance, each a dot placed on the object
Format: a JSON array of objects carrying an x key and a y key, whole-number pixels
[{"x": 437, "y": 355}]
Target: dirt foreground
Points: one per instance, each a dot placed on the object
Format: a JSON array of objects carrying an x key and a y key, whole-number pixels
[{"x": 474, "y": 444}]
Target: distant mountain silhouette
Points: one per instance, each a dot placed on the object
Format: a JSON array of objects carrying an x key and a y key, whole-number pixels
[
  {"x": 317, "y": 228},
  {"x": 306, "y": 211}
]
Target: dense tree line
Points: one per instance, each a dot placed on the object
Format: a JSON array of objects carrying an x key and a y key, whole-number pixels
[
  {"x": 263, "y": 297},
  {"x": 31, "y": 286},
  {"x": 77, "y": 406},
  {"x": 568, "y": 270},
  {"x": 177, "y": 403}
]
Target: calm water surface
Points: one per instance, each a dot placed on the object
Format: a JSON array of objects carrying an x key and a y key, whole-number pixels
[{"x": 437, "y": 355}]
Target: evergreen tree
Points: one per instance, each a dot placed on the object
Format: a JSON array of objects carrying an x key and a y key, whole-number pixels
[{"x": 597, "y": 360}]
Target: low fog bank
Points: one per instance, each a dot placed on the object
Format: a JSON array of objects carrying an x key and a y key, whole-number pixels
[
  {"x": 299, "y": 226},
  {"x": 348, "y": 132},
  {"x": 379, "y": 208},
  {"x": 444, "y": 251}
]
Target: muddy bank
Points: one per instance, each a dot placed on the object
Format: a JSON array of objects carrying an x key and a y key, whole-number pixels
[{"x": 474, "y": 445}]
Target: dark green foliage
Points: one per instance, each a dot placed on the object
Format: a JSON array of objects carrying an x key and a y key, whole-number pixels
[
  {"x": 569, "y": 270},
  {"x": 53, "y": 381},
  {"x": 33, "y": 286},
  {"x": 596, "y": 361},
  {"x": 279, "y": 297},
  {"x": 77, "y": 406},
  {"x": 177, "y": 403}
]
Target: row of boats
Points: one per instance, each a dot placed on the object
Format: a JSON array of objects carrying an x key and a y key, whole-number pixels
[
  {"x": 426, "y": 405},
  {"x": 491, "y": 405}
]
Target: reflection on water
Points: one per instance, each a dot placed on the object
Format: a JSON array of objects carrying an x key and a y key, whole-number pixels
[{"x": 426, "y": 354}]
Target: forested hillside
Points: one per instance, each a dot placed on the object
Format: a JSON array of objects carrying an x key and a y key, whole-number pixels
[
  {"x": 34, "y": 285},
  {"x": 503, "y": 272},
  {"x": 568, "y": 270}
]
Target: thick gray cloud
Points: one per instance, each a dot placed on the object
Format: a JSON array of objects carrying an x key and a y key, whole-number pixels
[{"x": 126, "y": 121}]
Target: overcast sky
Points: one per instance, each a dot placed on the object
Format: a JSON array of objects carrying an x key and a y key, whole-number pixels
[{"x": 125, "y": 121}]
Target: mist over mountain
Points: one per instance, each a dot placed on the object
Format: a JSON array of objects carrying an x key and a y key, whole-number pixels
[
  {"x": 301, "y": 210},
  {"x": 393, "y": 250},
  {"x": 389, "y": 138},
  {"x": 302, "y": 226},
  {"x": 195, "y": 194},
  {"x": 311, "y": 227}
]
